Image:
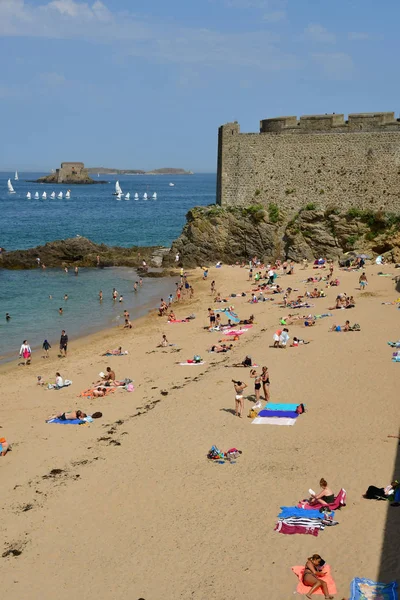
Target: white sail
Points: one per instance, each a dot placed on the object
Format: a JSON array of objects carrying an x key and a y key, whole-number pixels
[
  {"x": 118, "y": 189},
  {"x": 53, "y": 195},
  {"x": 44, "y": 196},
  {"x": 16, "y": 176},
  {"x": 136, "y": 196},
  {"x": 171, "y": 185},
  {"x": 60, "y": 196},
  {"x": 10, "y": 187},
  {"x": 68, "y": 195},
  {"x": 36, "y": 195},
  {"x": 28, "y": 196},
  {"x": 145, "y": 196},
  {"x": 128, "y": 196},
  {"x": 119, "y": 196},
  {"x": 154, "y": 196}
]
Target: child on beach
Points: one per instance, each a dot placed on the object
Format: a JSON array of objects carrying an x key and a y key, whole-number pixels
[{"x": 46, "y": 346}]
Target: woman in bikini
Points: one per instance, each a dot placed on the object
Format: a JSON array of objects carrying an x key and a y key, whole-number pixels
[
  {"x": 257, "y": 384},
  {"x": 325, "y": 496},
  {"x": 265, "y": 383},
  {"x": 311, "y": 576},
  {"x": 239, "y": 402}
]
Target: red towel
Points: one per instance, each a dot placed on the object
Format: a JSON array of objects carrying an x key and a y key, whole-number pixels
[
  {"x": 292, "y": 529},
  {"x": 305, "y": 589}
]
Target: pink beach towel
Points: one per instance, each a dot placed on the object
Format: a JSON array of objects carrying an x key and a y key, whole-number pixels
[
  {"x": 339, "y": 501},
  {"x": 305, "y": 589}
]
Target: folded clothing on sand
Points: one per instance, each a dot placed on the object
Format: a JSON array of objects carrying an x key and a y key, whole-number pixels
[
  {"x": 361, "y": 589},
  {"x": 304, "y": 589}
]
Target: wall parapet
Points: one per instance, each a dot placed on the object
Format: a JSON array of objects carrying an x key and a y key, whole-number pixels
[{"x": 330, "y": 122}]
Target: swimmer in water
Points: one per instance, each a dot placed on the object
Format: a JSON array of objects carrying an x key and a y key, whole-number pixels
[
  {"x": 66, "y": 269},
  {"x": 65, "y": 296},
  {"x": 60, "y": 311},
  {"x": 7, "y": 317},
  {"x": 121, "y": 298},
  {"x": 140, "y": 282},
  {"x": 50, "y": 297},
  {"x": 76, "y": 270},
  {"x": 100, "y": 296},
  {"x": 135, "y": 286}
]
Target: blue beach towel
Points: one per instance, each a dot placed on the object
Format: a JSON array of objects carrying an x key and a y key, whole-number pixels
[
  {"x": 67, "y": 421},
  {"x": 361, "y": 589},
  {"x": 294, "y": 511},
  {"x": 280, "y": 406},
  {"x": 278, "y": 413}
]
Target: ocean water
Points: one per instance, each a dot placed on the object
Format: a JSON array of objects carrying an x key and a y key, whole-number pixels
[{"x": 95, "y": 213}]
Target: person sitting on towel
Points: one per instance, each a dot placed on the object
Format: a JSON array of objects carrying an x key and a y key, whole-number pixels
[
  {"x": 248, "y": 321},
  {"x": 68, "y": 416},
  {"x": 324, "y": 497}
]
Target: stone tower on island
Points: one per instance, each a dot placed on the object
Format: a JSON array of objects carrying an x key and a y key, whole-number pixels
[
  {"x": 320, "y": 159},
  {"x": 68, "y": 173}
]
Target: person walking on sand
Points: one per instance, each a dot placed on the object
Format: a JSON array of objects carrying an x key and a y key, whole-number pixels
[
  {"x": 239, "y": 401},
  {"x": 46, "y": 347},
  {"x": 25, "y": 352},
  {"x": 63, "y": 343},
  {"x": 363, "y": 281},
  {"x": 212, "y": 288}
]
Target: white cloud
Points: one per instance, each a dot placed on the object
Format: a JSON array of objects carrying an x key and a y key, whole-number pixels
[
  {"x": 336, "y": 65},
  {"x": 274, "y": 16},
  {"x": 317, "y": 33},
  {"x": 358, "y": 36},
  {"x": 138, "y": 36}
]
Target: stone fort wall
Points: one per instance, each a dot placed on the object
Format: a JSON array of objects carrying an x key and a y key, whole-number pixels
[
  {"x": 70, "y": 170},
  {"x": 320, "y": 159}
]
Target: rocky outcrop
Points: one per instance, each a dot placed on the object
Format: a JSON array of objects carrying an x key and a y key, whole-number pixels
[
  {"x": 69, "y": 173},
  {"x": 81, "y": 252},
  {"x": 235, "y": 234}
]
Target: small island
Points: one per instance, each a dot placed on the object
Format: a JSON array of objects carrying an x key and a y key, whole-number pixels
[{"x": 69, "y": 173}]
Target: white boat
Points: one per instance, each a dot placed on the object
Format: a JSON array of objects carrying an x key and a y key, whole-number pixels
[
  {"x": 136, "y": 196},
  {"x": 28, "y": 196},
  {"x": 44, "y": 196},
  {"x": 171, "y": 185},
  {"x": 52, "y": 195},
  {"x": 119, "y": 196},
  {"x": 10, "y": 187},
  {"x": 36, "y": 196},
  {"x": 68, "y": 195},
  {"x": 145, "y": 196},
  {"x": 60, "y": 196},
  {"x": 16, "y": 176},
  {"x": 118, "y": 189},
  {"x": 128, "y": 196},
  {"x": 154, "y": 196}
]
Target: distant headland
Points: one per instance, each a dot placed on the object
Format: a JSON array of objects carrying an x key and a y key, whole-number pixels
[
  {"x": 163, "y": 171},
  {"x": 68, "y": 173}
]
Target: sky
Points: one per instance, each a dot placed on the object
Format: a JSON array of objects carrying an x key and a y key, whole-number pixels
[{"x": 145, "y": 84}]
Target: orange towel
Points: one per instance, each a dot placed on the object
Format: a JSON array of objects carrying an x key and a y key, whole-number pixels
[
  {"x": 305, "y": 589},
  {"x": 88, "y": 393}
]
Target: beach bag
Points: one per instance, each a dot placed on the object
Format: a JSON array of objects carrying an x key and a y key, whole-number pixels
[
  {"x": 252, "y": 413},
  {"x": 196, "y": 358},
  {"x": 300, "y": 409}
]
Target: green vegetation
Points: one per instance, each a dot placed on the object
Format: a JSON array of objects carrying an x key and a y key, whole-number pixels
[
  {"x": 257, "y": 192},
  {"x": 321, "y": 192},
  {"x": 310, "y": 206},
  {"x": 273, "y": 212},
  {"x": 290, "y": 191},
  {"x": 351, "y": 240}
]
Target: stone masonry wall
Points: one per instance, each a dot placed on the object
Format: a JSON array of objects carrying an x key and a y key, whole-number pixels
[
  {"x": 70, "y": 170},
  {"x": 320, "y": 159}
]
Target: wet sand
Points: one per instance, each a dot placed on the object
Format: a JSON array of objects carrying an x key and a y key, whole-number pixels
[{"x": 135, "y": 509}]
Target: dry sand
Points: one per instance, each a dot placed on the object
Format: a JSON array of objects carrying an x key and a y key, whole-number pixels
[{"x": 151, "y": 517}]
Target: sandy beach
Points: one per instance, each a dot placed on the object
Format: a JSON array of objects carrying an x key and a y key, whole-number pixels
[{"x": 138, "y": 511}]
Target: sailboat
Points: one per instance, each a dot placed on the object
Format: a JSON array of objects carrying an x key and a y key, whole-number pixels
[
  {"x": 28, "y": 196},
  {"x": 36, "y": 195},
  {"x": 44, "y": 196},
  {"x": 171, "y": 185},
  {"x": 136, "y": 196},
  {"x": 145, "y": 196},
  {"x": 68, "y": 194},
  {"x": 60, "y": 196},
  {"x": 118, "y": 189},
  {"x": 16, "y": 176},
  {"x": 128, "y": 196},
  {"x": 119, "y": 196},
  {"x": 10, "y": 187},
  {"x": 154, "y": 196},
  {"x": 52, "y": 195}
]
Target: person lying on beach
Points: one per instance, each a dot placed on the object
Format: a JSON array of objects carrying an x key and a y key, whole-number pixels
[
  {"x": 375, "y": 493},
  {"x": 4, "y": 446},
  {"x": 311, "y": 576},
  {"x": 298, "y": 342},
  {"x": 68, "y": 416},
  {"x": 248, "y": 321},
  {"x": 116, "y": 352},
  {"x": 99, "y": 392},
  {"x": 324, "y": 497},
  {"x": 309, "y": 322},
  {"x": 220, "y": 348}
]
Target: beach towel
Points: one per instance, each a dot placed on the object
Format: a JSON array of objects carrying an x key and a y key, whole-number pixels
[
  {"x": 396, "y": 359},
  {"x": 278, "y": 413},
  {"x": 295, "y": 511},
  {"x": 178, "y": 321},
  {"x": 111, "y": 354},
  {"x": 304, "y": 589},
  {"x": 280, "y": 406},
  {"x": 51, "y": 386},
  {"x": 89, "y": 393},
  {"x": 67, "y": 421},
  {"x": 394, "y": 344},
  {"x": 339, "y": 501},
  {"x": 191, "y": 364},
  {"x": 294, "y": 525},
  {"x": 366, "y": 589},
  {"x": 273, "y": 421}
]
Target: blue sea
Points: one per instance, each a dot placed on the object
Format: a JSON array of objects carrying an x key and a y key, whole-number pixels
[{"x": 92, "y": 212}]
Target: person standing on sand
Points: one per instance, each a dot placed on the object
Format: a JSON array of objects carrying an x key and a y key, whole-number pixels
[
  {"x": 63, "y": 343},
  {"x": 212, "y": 287},
  {"x": 239, "y": 401},
  {"x": 25, "y": 352},
  {"x": 46, "y": 347},
  {"x": 265, "y": 383},
  {"x": 363, "y": 281}
]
